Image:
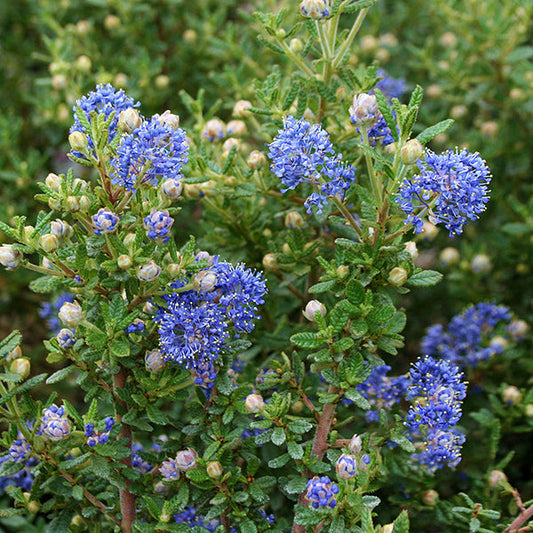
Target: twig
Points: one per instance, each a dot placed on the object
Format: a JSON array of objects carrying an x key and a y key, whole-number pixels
[{"x": 526, "y": 514}]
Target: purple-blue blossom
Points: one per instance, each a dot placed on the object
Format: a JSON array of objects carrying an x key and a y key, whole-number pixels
[
  {"x": 157, "y": 225},
  {"x": 49, "y": 311},
  {"x": 20, "y": 450},
  {"x": 321, "y": 492},
  {"x": 451, "y": 188},
  {"x": 105, "y": 221}
]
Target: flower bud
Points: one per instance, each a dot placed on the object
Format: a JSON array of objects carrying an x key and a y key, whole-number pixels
[
  {"x": 529, "y": 410},
  {"x": 256, "y": 160},
  {"x": 411, "y": 151},
  {"x": 214, "y": 130},
  {"x": 121, "y": 80},
  {"x": 364, "y": 462},
  {"x": 430, "y": 497},
  {"x": 254, "y": 403},
  {"x": 480, "y": 264},
  {"x": 499, "y": 343},
  {"x": 293, "y": 219},
  {"x": 53, "y": 204},
  {"x": 129, "y": 120},
  {"x": 364, "y": 110},
  {"x": 214, "y": 469},
  {"x": 190, "y": 36},
  {"x": 296, "y": 46},
  {"x": 448, "y": 40},
  {"x": 241, "y": 108},
  {"x": 516, "y": 94},
  {"x": 229, "y": 144},
  {"x": 49, "y": 242},
  {"x": 171, "y": 188},
  {"x": 15, "y": 353},
  {"x": 236, "y": 128},
  {"x": 162, "y": 81},
  {"x": 78, "y": 141},
  {"x": 186, "y": 459},
  {"x": 71, "y": 314},
  {"x": 511, "y": 395},
  {"x": 315, "y": 9},
  {"x": 204, "y": 281},
  {"x": 124, "y": 261},
  {"x": 342, "y": 270},
  {"x": 518, "y": 329},
  {"x": 34, "y": 507},
  {"x": 59, "y": 81},
  {"x": 388, "y": 528},
  {"x": 169, "y": 119},
  {"x": 495, "y": 477},
  {"x": 312, "y": 308},
  {"x": 270, "y": 262},
  {"x": 83, "y": 27},
  {"x": 21, "y": 367},
  {"x": 346, "y": 466},
  {"x": 489, "y": 128},
  {"x": 154, "y": 361},
  {"x": 397, "y": 276},
  {"x": 434, "y": 91},
  {"x": 411, "y": 249},
  {"x": 61, "y": 229},
  {"x": 65, "y": 338},
  {"x": 148, "y": 271},
  {"x": 83, "y": 63},
  {"x": 449, "y": 256},
  {"x": 72, "y": 204},
  {"x": 129, "y": 240},
  {"x": 112, "y": 22},
  {"x": 369, "y": 43},
  {"x": 9, "y": 257},
  {"x": 53, "y": 181},
  {"x": 356, "y": 445}
]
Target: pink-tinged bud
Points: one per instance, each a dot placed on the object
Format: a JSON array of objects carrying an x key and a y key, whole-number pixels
[
  {"x": 312, "y": 308},
  {"x": 254, "y": 403},
  {"x": 169, "y": 119},
  {"x": 270, "y": 262},
  {"x": 214, "y": 469},
  {"x": 9, "y": 257},
  {"x": 49, "y": 242},
  {"x": 129, "y": 120},
  {"x": 71, "y": 314},
  {"x": 518, "y": 329},
  {"x": 398, "y": 276},
  {"x": 241, "y": 108},
  {"x": 481, "y": 264},
  {"x": 214, "y": 130},
  {"x": 15, "y": 353},
  {"x": 364, "y": 110},
  {"x": 78, "y": 141},
  {"x": 511, "y": 395},
  {"x": 154, "y": 361},
  {"x": 346, "y": 466},
  {"x": 448, "y": 40},
  {"x": 369, "y": 43},
  {"x": 489, "y": 128},
  {"x": 458, "y": 111},
  {"x": 356, "y": 445},
  {"x": 236, "y": 128},
  {"x": 496, "y": 477},
  {"x": 204, "y": 281},
  {"x": 124, "y": 261},
  {"x": 171, "y": 188},
  {"x": 53, "y": 181},
  {"x": 293, "y": 219},
  {"x": 430, "y": 497},
  {"x": 411, "y": 152},
  {"x": 434, "y": 91},
  {"x": 256, "y": 160},
  {"x": 148, "y": 271},
  {"x": 21, "y": 367},
  {"x": 449, "y": 256},
  {"x": 186, "y": 459},
  {"x": 388, "y": 39}
]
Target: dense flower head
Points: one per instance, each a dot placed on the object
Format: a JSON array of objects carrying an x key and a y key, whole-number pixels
[
  {"x": 321, "y": 492},
  {"x": 346, "y": 466},
  {"x": 451, "y": 188},
  {"x": 99, "y": 437},
  {"x": 65, "y": 338},
  {"x": 466, "y": 339},
  {"x": 54, "y": 424},
  {"x": 436, "y": 393},
  {"x": 151, "y": 153},
  {"x": 23, "y": 478},
  {"x": 315, "y": 9},
  {"x": 389, "y": 86},
  {"x": 364, "y": 110},
  {"x": 49, "y": 311},
  {"x": 105, "y": 221},
  {"x": 20, "y": 450},
  {"x": 104, "y": 99},
  {"x": 194, "y": 326},
  {"x": 303, "y": 153},
  {"x": 382, "y": 391},
  {"x": 191, "y": 518},
  {"x": 204, "y": 376},
  {"x": 169, "y": 470},
  {"x": 157, "y": 225},
  {"x": 142, "y": 466},
  {"x": 380, "y": 132}
]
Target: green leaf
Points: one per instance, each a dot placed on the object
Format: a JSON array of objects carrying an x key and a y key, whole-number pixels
[
  {"x": 424, "y": 278},
  {"x": 153, "y": 507},
  {"x": 428, "y": 134},
  {"x": 299, "y": 426},
  {"x": 45, "y": 284},
  {"x": 278, "y": 436},
  {"x": 21, "y": 388},
  {"x": 386, "y": 111},
  {"x": 60, "y": 374},
  {"x": 353, "y": 368},
  {"x": 61, "y": 523},
  {"x": 247, "y": 526},
  {"x": 358, "y": 399},
  {"x": 119, "y": 347},
  {"x": 280, "y": 461},
  {"x": 355, "y": 292},
  {"x": 401, "y": 524},
  {"x": 155, "y": 415},
  {"x": 8, "y": 230},
  {"x": 337, "y": 525},
  {"x": 296, "y": 485},
  {"x": 306, "y": 339},
  {"x": 323, "y": 286},
  {"x": 10, "y": 468},
  {"x": 403, "y": 442},
  {"x": 9, "y": 343},
  {"x": 295, "y": 450}
]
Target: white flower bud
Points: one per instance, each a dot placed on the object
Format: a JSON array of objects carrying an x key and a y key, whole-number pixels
[
  {"x": 53, "y": 181},
  {"x": 171, "y": 188},
  {"x": 518, "y": 329},
  {"x": 254, "y": 403},
  {"x": 214, "y": 469},
  {"x": 71, "y": 314},
  {"x": 495, "y": 477},
  {"x": 9, "y": 257},
  {"x": 293, "y": 219},
  {"x": 148, "y": 271},
  {"x": 270, "y": 262},
  {"x": 61, "y": 229},
  {"x": 49, "y": 242},
  {"x": 214, "y": 130},
  {"x": 154, "y": 361},
  {"x": 481, "y": 263},
  {"x": 449, "y": 256},
  {"x": 398, "y": 276},
  {"x": 296, "y": 46},
  {"x": 411, "y": 249},
  {"x": 229, "y": 144},
  {"x": 84, "y": 63},
  {"x": 21, "y": 367},
  {"x": 312, "y": 308},
  {"x": 241, "y": 108},
  {"x": 190, "y": 36},
  {"x": 162, "y": 81},
  {"x": 511, "y": 395},
  {"x": 186, "y": 459},
  {"x": 356, "y": 445},
  {"x": 204, "y": 281},
  {"x": 411, "y": 151},
  {"x": 448, "y": 40},
  {"x": 78, "y": 141},
  {"x": 72, "y": 204},
  {"x": 236, "y": 128},
  {"x": 124, "y": 261},
  {"x": 256, "y": 160},
  {"x": 169, "y": 119},
  {"x": 112, "y": 22},
  {"x": 129, "y": 120},
  {"x": 430, "y": 497},
  {"x": 364, "y": 109}
]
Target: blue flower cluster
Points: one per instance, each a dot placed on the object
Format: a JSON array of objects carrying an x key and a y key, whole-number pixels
[
  {"x": 389, "y": 86},
  {"x": 23, "y": 478},
  {"x": 54, "y": 424},
  {"x": 466, "y": 340},
  {"x": 152, "y": 152},
  {"x": 194, "y": 326},
  {"x": 321, "y": 492},
  {"x": 105, "y": 221},
  {"x": 451, "y": 188},
  {"x": 303, "y": 153},
  {"x": 382, "y": 391},
  {"x": 135, "y": 327},
  {"x": 20, "y": 450},
  {"x": 99, "y": 437},
  {"x": 142, "y": 466},
  {"x": 191, "y": 518},
  {"x": 157, "y": 225},
  {"x": 65, "y": 338},
  {"x": 49, "y": 311},
  {"x": 436, "y": 393},
  {"x": 104, "y": 99}
]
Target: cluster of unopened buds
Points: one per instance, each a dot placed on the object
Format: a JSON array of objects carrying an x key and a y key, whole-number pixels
[
  {"x": 54, "y": 425},
  {"x": 99, "y": 437},
  {"x": 184, "y": 461}
]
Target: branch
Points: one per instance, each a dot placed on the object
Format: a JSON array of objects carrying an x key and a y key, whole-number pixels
[{"x": 526, "y": 514}]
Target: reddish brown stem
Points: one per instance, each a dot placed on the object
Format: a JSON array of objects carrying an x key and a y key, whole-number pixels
[
  {"x": 320, "y": 445},
  {"x": 526, "y": 514},
  {"x": 127, "y": 499}
]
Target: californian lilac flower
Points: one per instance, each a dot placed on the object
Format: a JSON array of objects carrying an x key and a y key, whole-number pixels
[
  {"x": 105, "y": 221},
  {"x": 20, "y": 450},
  {"x": 364, "y": 110},
  {"x": 136, "y": 326},
  {"x": 270, "y": 518},
  {"x": 436, "y": 393},
  {"x": 49, "y": 311},
  {"x": 321, "y": 492},
  {"x": 23, "y": 478},
  {"x": 382, "y": 391},
  {"x": 303, "y": 153},
  {"x": 346, "y": 466},
  {"x": 190, "y": 517},
  {"x": 104, "y": 99},
  {"x": 380, "y": 132},
  {"x": 153, "y": 152},
  {"x": 205, "y": 375},
  {"x": 99, "y": 437},
  {"x": 389, "y": 86},
  {"x": 169, "y": 470},
  {"x": 153, "y": 361},
  {"x": 186, "y": 459},
  {"x": 54, "y": 424},
  {"x": 315, "y": 9},
  {"x": 466, "y": 339},
  {"x": 451, "y": 188},
  {"x": 138, "y": 462},
  {"x": 65, "y": 338},
  {"x": 157, "y": 225}
]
